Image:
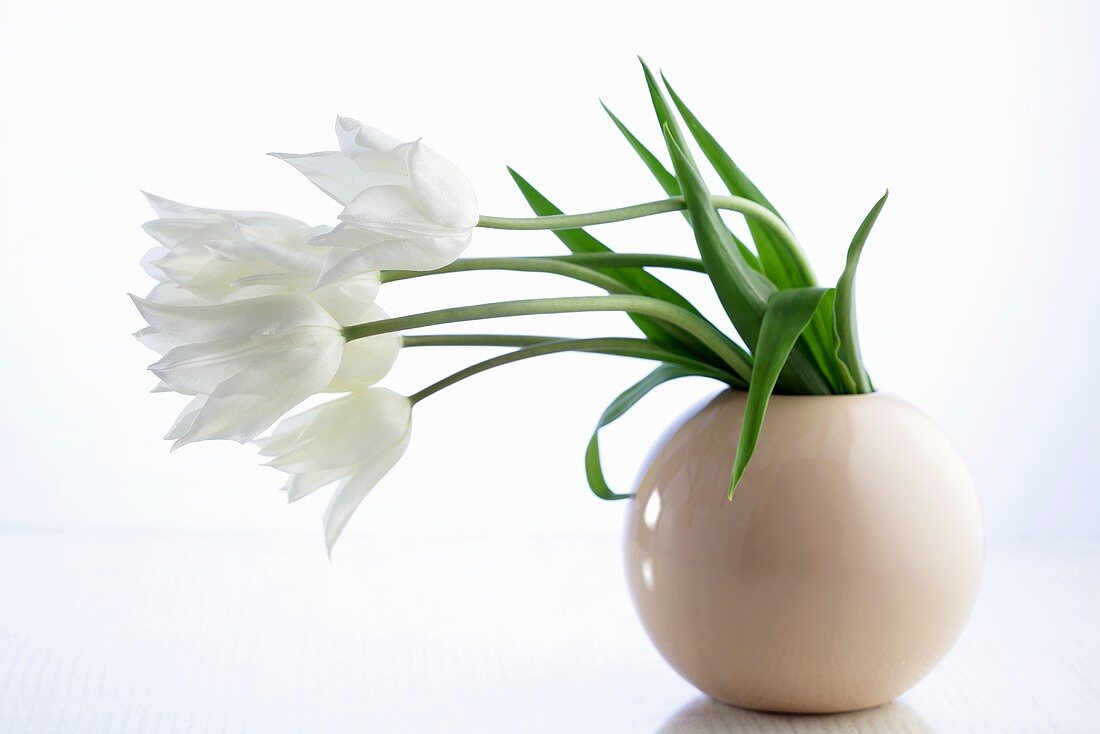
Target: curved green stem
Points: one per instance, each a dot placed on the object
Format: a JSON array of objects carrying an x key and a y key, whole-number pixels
[
  {"x": 634, "y": 260},
  {"x": 673, "y": 204},
  {"x": 525, "y": 264},
  {"x": 624, "y": 347},
  {"x": 475, "y": 340},
  {"x": 587, "y": 259},
  {"x": 726, "y": 350},
  {"x": 588, "y": 219},
  {"x": 639, "y": 348}
]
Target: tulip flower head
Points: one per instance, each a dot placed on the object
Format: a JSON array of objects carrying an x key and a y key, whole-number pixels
[
  {"x": 353, "y": 441},
  {"x": 246, "y": 363},
  {"x": 405, "y": 207},
  {"x": 214, "y": 255}
]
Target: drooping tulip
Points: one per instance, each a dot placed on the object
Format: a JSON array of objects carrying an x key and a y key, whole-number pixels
[
  {"x": 246, "y": 363},
  {"x": 353, "y": 441},
  {"x": 208, "y": 256},
  {"x": 405, "y": 207}
]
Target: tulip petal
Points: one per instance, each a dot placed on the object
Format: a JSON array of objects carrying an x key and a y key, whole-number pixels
[
  {"x": 331, "y": 171},
  {"x": 300, "y": 485},
  {"x": 253, "y": 364},
  {"x": 445, "y": 194},
  {"x": 186, "y": 418},
  {"x": 170, "y": 232},
  {"x": 393, "y": 210},
  {"x": 341, "y": 177},
  {"x": 171, "y": 294},
  {"x": 365, "y": 362},
  {"x": 168, "y": 209},
  {"x": 351, "y": 301},
  {"x": 149, "y": 260},
  {"x": 412, "y": 253},
  {"x": 344, "y": 432},
  {"x": 355, "y": 138},
  {"x": 155, "y": 340},
  {"x": 237, "y": 320},
  {"x": 245, "y": 405},
  {"x": 351, "y": 492},
  {"x": 347, "y": 236}
]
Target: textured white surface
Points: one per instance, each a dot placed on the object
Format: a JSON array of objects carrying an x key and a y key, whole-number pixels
[{"x": 114, "y": 631}]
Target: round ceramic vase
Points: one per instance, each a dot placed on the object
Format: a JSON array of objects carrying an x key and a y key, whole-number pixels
[{"x": 841, "y": 572}]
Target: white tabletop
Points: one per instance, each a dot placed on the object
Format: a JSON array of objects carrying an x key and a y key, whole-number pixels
[{"x": 132, "y": 631}]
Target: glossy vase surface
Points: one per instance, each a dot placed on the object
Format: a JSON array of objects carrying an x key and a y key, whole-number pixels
[{"x": 841, "y": 572}]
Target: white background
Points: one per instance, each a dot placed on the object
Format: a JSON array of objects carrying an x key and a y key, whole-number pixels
[{"x": 976, "y": 292}]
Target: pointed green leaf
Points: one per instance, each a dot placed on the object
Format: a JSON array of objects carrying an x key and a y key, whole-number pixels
[
  {"x": 664, "y": 177},
  {"x": 669, "y": 183},
  {"x": 618, "y": 407},
  {"x": 787, "y": 315},
  {"x": 784, "y": 264},
  {"x": 744, "y": 293},
  {"x": 845, "y": 306},
  {"x": 664, "y": 113}
]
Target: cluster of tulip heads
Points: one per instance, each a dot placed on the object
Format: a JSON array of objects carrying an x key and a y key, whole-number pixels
[
  {"x": 249, "y": 311},
  {"x": 254, "y": 313}
]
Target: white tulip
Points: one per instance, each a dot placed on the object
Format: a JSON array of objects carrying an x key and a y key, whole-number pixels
[
  {"x": 354, "y": 440},
  {"x": 219, "y": 256},
  {"x": 211, "y": 254},
  {"x": 247, "y": 362},
  {"x": 215, "y": 255},
  {"x": 405, "y": 206}
]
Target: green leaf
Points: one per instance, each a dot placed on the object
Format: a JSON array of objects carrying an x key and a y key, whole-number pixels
[
  {"x": 637, "y": 279},
  {"x": 804, "y": 374},
  {"x": 787, "y": 315},
  {"x": 845, "y": 306},
  {"x": 669, "y": 183},
  {"x": 744, "y": 293},
  {"x": 823, "y": 326},
  {"x": 618, "y": 407},
  {"x": 784, "y": 264},
  {"x": 664, "y": 113}
]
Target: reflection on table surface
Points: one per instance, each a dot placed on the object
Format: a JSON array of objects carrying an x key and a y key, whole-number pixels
[{"x": 706, "y": 716}]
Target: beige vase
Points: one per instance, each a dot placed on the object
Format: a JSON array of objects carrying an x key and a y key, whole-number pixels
[{"x": 842, "y": 571}]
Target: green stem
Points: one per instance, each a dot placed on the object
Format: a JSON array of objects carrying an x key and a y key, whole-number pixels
[
  {"x": 673, "y": 204},
  {"x": 588, "y": 259},
  {"x": 577, "y": 221},
  {"x": 634, "y": 260},
  {"x": 475, "y": 340},
  {"x": 639, "y": 348},
  {"x": 733, "y": 355},
  {"x": 624, "y": 347},
  {"x": 525, "y": 264}
]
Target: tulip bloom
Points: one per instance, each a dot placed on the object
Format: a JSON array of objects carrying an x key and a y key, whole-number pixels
[
  {"x": 208, "y": 255},
  {"x": 405, "y": 206},
  {"x": 216, "y": 255},
  {"x": 353, "y": 440},
  {"x": 246, "y": 363}
]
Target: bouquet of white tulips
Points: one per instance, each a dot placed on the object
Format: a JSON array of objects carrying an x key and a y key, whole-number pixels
[{"x": 255, "y": 312}]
